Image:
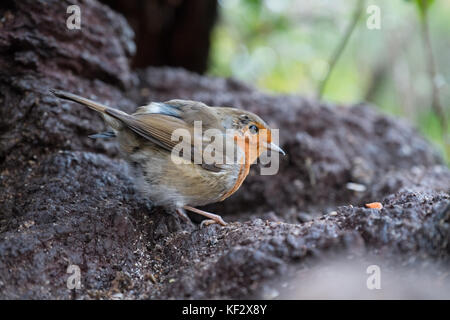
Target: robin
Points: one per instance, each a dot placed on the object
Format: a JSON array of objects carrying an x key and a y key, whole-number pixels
[{"x": 147, "y": 142}]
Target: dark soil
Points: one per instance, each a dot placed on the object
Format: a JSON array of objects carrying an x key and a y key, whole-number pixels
[{"x": 67, "y": 199}]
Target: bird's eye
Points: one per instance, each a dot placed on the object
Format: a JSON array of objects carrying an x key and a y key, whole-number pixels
[{"x": 253, "y": 129}]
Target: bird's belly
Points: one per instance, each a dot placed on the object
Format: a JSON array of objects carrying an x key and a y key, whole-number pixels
[{"x": 171, "y": 184}]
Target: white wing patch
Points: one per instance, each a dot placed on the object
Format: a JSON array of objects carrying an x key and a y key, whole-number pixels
[
  {"x": 153, "y": 107},
  {"x": 159, "y": 108}
]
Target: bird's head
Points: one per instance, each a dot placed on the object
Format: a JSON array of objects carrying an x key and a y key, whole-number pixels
[{"x": 251, "y": 133}]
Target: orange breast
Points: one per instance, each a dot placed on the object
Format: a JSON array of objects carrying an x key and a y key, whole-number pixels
[{"x": 244, "y": 168}]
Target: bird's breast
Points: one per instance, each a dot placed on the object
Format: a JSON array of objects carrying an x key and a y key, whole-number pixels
[{"x": 170, "y": 183}]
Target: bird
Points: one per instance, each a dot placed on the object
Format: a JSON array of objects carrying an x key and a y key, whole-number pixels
[{"x": 180, "y": 175}]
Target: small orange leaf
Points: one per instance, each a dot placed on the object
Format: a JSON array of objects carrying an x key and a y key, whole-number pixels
[{"x": 374, "y": 205}]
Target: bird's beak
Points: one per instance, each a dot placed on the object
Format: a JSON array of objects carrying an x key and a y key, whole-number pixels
[{"x": 274, "y": 147}]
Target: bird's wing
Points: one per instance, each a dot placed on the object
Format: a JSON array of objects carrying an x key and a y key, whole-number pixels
[{"x": 165, "y": 123}]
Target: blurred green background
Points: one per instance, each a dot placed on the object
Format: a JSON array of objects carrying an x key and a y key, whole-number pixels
[{"x": 284, "y": 46}]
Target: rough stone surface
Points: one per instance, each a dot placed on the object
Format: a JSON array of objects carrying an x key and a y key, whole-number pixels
[{"x": 66, "y": 199}]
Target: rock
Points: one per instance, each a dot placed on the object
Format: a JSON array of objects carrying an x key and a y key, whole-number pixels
[{"x": 68, "y": 200}]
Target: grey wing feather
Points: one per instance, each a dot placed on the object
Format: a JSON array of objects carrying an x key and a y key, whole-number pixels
[{"x": 106, "y": 134}]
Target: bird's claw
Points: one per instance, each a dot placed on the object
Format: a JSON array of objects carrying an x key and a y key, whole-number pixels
[
  {"x": 213, "y": 218},
  {"x": 207, "y": 222}
]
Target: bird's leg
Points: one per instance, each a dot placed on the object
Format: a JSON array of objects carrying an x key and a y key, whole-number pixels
[
  {"x": 183, "y": 215},
  {"x": 214, "y": 218}
]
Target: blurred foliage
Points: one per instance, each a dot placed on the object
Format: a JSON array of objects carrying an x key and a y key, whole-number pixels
[
  {"x": 422, "y": 6},
  {"x": 283, "y": 46}
]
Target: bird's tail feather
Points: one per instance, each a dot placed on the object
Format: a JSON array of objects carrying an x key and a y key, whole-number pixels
[
  {"x": 109, "y": 114},
  {"x": 73, "y": 97}
]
